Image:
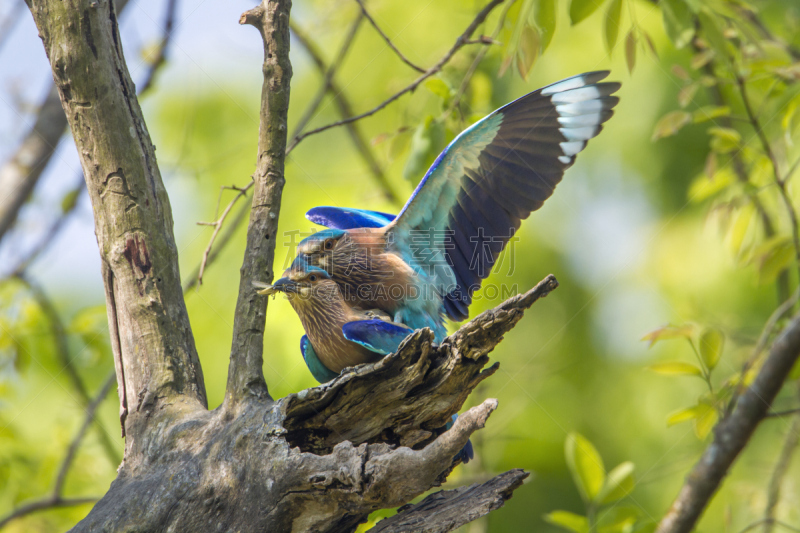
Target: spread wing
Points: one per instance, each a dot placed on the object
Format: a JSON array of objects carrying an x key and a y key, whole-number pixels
[
  {"x": 346, "y": 218},
  {"x": 377, "y": 335},
  {"x": 490, "y": 178},
  {"x": 320, "y": 372}
]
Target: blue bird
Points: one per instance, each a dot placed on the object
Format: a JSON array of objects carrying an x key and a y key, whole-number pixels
[
  {"x": 426, "y": 263},
  {"x": 337, "y": 335}
]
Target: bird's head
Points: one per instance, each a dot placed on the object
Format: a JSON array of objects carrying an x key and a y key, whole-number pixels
[
  {"x": 318, "y": 249},
  {"x": 304, "y": 283}
]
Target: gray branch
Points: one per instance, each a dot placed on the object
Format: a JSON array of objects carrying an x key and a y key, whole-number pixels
[
  {"x": 733, "y": 433},
  {"x": 450, "y": 509},
  {"x": 298, "y": 464}
]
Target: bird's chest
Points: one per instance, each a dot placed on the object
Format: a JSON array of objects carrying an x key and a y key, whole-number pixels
[{"x": 332, "y": 348}]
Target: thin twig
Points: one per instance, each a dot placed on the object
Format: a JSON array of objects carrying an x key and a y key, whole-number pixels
[
  {"x": 778, "y": 414},
  {"x": 460, "y": 42},
  {"x": 757, "y": 523},
  {"x": 242, "y": 193},
  {"x": 345, "y": 111},
  {"x": 478, "y": 59},
  {"x": 56, "y": 498},
  {"x": 221, "y": 242},
  {"x": 775, "y": 167},
  {"x": 385, "y": 37},
  {"x": 327, "y": 73},
  {"x": 59, "y": 334},
  {"x": 161, "y": 52},
  {"x": 779, "y": 472}
]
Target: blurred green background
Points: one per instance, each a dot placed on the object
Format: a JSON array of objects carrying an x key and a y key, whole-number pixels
[{"x": 629, "y": 245}]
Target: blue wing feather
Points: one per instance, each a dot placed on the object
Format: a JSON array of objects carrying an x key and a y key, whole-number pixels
[
  {"x": 376, "y": 335},
  {"x": 491, "y": 177},
  {"x": 346, "y": 218},
  {"x": 320, "y": 372}
]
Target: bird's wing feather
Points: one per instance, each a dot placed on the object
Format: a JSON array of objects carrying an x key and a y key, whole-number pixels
[
  {"x": 347, "y": 218},
  {"x": 493, "y": 175},
  {"x": 377, "y": 335},
  {"x": 320, "y": 372}
]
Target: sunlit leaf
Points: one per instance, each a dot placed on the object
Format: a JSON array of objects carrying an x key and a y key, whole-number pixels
[
  {"x": 706, "y": 186},
  {"x": 682, "y": 415},
  {"x": 686, "y": 94},
  {"x": 438, "y": 87},
  {"x": 710, "y": 112},
  {"x": 678, "y": 21},
  {"x": 773, "y": 257},
  {"x": 612, "y": 21},
  {"x": 545, "y": 18},
  {"x": 724, "y": 140},
  {"x": 670, "y": 124},
  {"x": 580, "y": 9},
  {"x": 650, "y": 45},
  {"x": 740, "y": 224},
  {"x": 705, "y": 421},
  {"x": 528, "y": 50},
  {"x": 676, "y": 368},
  {"x": 630, "y": 51},
  {"x": 586, "y": 466},
  {"x": 569, "y": 521},
  {"x": 421, "y": 147},
  {"x": 670, "y": 332},
  {"x": 400, "y": 143},
  {"x": 69, "y": 200},
  {"x": 619, "y": 483},
  {"x": 618, "y": 519},
  {"x": 711, "y": 342}
]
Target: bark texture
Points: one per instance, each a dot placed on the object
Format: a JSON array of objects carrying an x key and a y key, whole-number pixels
[
  {"x": 157, "y": 366},
  {"x": 297, "y": 464}
]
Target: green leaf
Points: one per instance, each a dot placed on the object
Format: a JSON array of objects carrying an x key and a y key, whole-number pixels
[
  {"x": 711, "y": 342},
  {"x": 438, "y": 87},
  {"x": 686, "y": 94},
  {"x": 670, "y": 124},
  {"x": 545, "y": 18},
  {"x": 676, "y": 368},
  {"x": 612, "y": 22},
  {"x": 724, "y": 140},
  {"x": 70, "y": 200},
  {"x": 670, "y": 332},
  {"x": 773, "y": 257},
  {"x": 710, "y": 112},
  {"x": 630, "y": 51},
  {"x": 528, "y": 51},
  {"x": 586, "y": 466},
  {"x": 704, "y": 423},
  {"x": 705, "y": 186},
  {"x": 682, "y": 415},
  {"x": 795, "y": 372},
  {"x": 740, "y": 225},
  {"x": 678, "y": 21},
  {"x": 569, "y": 521},
  {"x": 618, "y": 520},
  {"x": 422, "y": 147},
  {"x": 619, "y": 483},
  {"x": 580, "y": 9},
  {"x": 701, "y": 59}
]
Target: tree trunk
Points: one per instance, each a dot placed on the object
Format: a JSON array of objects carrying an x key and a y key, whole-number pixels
[{"x": 318, "y": 460}]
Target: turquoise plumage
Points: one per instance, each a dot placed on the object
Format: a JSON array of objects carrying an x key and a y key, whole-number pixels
[{"x": 426, "y": 263}]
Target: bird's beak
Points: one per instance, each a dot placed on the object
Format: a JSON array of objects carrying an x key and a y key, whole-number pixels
[{"x": 282, "y": 285}]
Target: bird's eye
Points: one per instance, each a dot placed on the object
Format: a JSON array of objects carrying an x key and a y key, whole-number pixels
[
  {"x": 312, "y": 277},
  {"x": 328, "y": 245}
]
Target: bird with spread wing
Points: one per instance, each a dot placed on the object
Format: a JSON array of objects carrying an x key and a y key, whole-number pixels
[{"x": 426, "y": 263}]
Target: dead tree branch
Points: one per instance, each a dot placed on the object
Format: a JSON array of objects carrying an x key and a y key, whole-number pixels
[
  {"x": 450, "y": 509},
  {"x": 732, "y": 434},
  {"x": 245, "y": 376},
  {"x": 462, "y": 40},
  {"x": 300, "y": 464},
  {"x": 56, "y": 498}
]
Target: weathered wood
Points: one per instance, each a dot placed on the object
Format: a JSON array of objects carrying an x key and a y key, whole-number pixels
[
  {"x": 152, "y": 340},
  {"x": 245, "y": 376},
  {"x": 447, "y": 510}
]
